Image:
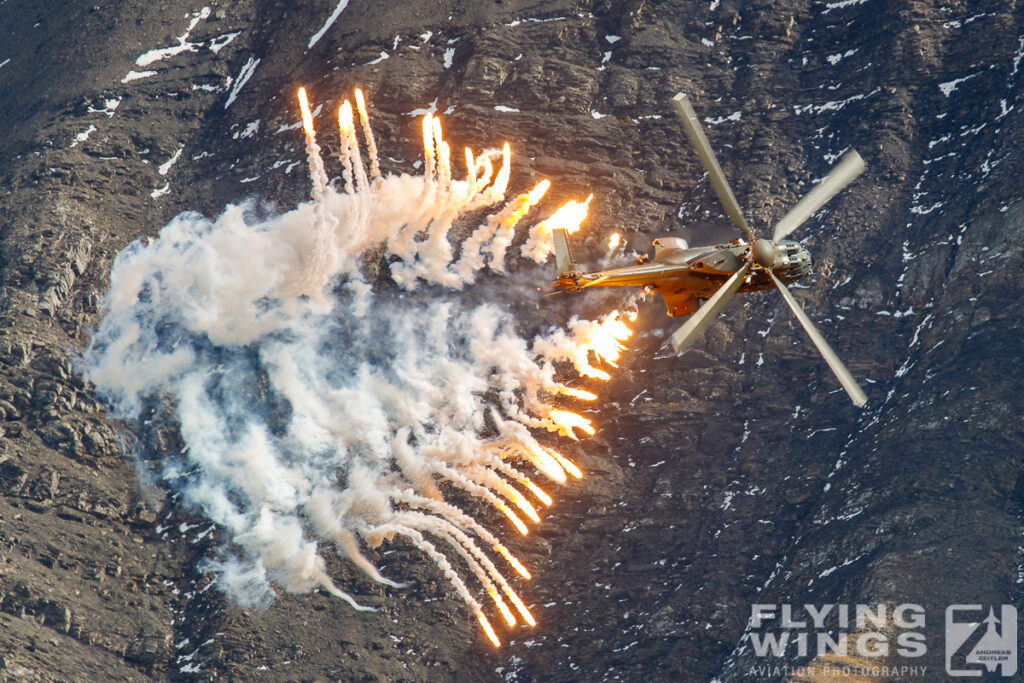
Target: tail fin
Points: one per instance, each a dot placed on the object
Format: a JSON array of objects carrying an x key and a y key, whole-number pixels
[{"x": 564, "y": 259}]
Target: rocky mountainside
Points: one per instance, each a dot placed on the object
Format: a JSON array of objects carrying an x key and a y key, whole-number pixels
[{"x": 738, "y": 474}]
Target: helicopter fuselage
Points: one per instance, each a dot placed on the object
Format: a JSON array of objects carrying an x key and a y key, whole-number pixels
[{"x": 684, "y": 275}]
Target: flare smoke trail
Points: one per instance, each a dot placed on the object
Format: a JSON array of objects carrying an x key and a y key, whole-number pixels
[{"x": 316, "y": 411}]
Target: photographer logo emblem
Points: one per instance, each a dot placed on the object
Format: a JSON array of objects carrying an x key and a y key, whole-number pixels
[{"x": 980, "y": 640}]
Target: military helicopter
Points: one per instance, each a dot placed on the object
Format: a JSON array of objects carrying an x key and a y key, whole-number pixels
[{"x": 685, "y": 276}]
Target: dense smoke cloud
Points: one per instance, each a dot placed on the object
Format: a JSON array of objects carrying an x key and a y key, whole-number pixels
[{"x": 315, "y": 409}]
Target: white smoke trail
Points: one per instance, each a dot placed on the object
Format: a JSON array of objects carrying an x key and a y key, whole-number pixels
[{"x": 283, "y": 387}]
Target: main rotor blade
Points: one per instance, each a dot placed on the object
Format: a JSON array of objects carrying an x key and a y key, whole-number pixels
[
  {"x": 683, "y": 337},
  {"x": 839, "y": 177},
  {"x": 842, "y": 374},
  {"x": 688, "y": 117}
]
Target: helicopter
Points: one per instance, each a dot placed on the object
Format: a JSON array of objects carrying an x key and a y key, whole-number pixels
[{"x": 685, "y": 276}]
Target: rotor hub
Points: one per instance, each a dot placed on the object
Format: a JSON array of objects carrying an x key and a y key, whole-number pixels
[{"x": 766, "y": 253}]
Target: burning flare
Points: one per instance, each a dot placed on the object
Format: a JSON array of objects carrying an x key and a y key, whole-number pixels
[
  {"x": 345, "y": 121},
  {"x": 307, "y": 117},
  {"x": 488, "y": 629},
  {"x": 537, "y": 193},
  {"x": 578, "y": 393},
  {"x": 567, "y": 464},
  {"x": 568, "y": 217},
  {"x": 516, "y": 564},
  {"x": 568, "y": 421},
  {"x": 501, "y": 182},
  {"x": 538, "y": 492}
]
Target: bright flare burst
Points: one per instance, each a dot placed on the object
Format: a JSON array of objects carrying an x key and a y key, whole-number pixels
[
  {"x": 604, "y": 338},
  {"x": 516, "y": 564},
  {"x": 568, "y": 465},
  {"x": 401, "y": 418},
  {"x": 307, "y": 117},
  {"x": 578, "y": 393},
  {"x": 568, "y": 217},
  {"x": 514, "y": 518},
  {"x": 502, "y": 607},
  {"x": 345, "y": 121},
  {"x": 538, "y": 492},
  {"x": 607, "y": 342},
  {"x": 537, "y": 193},
  {"x": 568, "y": 421},
  {"x": 488, "y": 629}
]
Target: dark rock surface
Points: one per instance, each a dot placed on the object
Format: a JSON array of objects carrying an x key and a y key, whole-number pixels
[{"x": 738, "y": 474}]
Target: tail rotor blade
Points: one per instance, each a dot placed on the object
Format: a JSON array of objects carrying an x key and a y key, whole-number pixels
[
  {"x": 842, "y": 374},
  {"x": 684, "y": 336},
  {"x": 688, "y": 117},
  {"x": 839, "y": 177}
]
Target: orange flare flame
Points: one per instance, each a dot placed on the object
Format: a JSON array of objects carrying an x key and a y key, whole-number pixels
[
  {"x": 515, "y": 563},
  {"x": 360, "y": 102},
  {"x": 521, "y": 204},
  {"x": 307, "y": 117},
  {"x": 428, "y": 135},
  {"x": 435, "y": 128},
  {"x": 566, "y": 463},
  {"x": 486, "y": 625},
  {"x": 470, "y": 163},
  {"x": 594, "y": 373},
  {"x": 527, "y": 617},
  {"x": 538, "y": 191},
  {"x": 512, "y": 517},
  {"x": 538, "y": 492},
  {"x": 607, "y": 349},
  {"x": 501, "y": 181},
  {"x": 618, "y": 329},
  {"x": 578, "y": 393},
  {"x": 488, "y": 172},
  {"x": 502, "y": 607},
  {"x": 345, "y": 118},
  {"x": 570, "y": 421},
  {"x": 607, "y": 337},
  {"x": 614, "y": 241},
  {"x": 525, "y": 506},
  {"x": 569, "y": 215},
  {"x": 543, "y": 461}
]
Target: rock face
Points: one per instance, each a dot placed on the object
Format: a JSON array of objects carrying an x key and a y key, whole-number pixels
[{"x": 736, "y": 475}]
